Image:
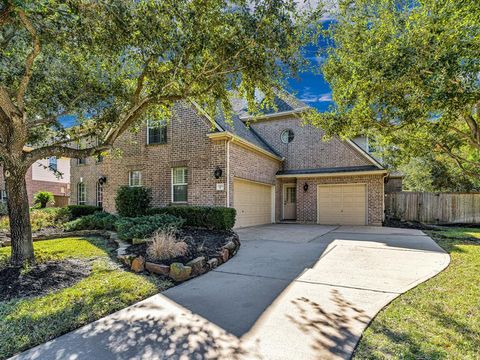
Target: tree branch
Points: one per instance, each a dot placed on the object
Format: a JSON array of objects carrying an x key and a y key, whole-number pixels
[
  {"x": 458, "y": 160},
  {"x": 30, "y": 59},
  {"x": 5, "y": 14},
  {"x": 59, "y": 151}
]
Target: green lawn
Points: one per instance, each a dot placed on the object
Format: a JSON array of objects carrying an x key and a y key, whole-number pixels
[
  {"x": 32, "y": 321},
  {"x": 439, "y": 319}
]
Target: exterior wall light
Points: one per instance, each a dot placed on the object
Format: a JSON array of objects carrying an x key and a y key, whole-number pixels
[
  {"x": 102, "y": 180},
  {"x": 305, "y": 187},
  {"x": 218, "y": 173}
]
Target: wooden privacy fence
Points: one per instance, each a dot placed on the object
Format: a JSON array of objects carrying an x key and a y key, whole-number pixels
[{"x": 433, "y": 208}]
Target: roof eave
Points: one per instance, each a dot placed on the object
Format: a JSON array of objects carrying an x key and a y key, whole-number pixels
[
  {"x": 331, "y": 174},
  {"x": 274, "y": 115},
  {"x": 227, "y": 135}
]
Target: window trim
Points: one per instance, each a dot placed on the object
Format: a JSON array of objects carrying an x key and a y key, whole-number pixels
[
  {"x": 139, "y": 178},
  {"x": 173, "y": 185},
  {"x": 97, "y": 191},
  {"x": 154, "y": 127},
  {"x": 285, "y": 131},
  {"x": 84, "y": 202}
]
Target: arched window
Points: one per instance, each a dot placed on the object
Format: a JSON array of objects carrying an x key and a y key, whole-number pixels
[
  {"x": 81, "y": 194},
  {"x": 99, "y": 194}
]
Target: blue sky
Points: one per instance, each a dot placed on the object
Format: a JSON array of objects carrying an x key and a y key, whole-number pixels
[{"x": 311, "y": 87}]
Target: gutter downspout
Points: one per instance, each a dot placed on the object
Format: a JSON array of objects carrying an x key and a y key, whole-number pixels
[
  {"x": 227, "y": 145},
  {"x": 383, "y": 197}
]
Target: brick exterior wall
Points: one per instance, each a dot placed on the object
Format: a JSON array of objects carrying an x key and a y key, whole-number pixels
[
  {"x": 248, "y": 165},
  {"x": 307, "y": 201},
  {"x": 34, "y": 186},
  {"x": 187, "y": 145},
  {"x": 307, "y": 150}
]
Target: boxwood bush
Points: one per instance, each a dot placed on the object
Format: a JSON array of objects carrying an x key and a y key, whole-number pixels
[
  {"x": 77, "y": 211},
  {"x": 144, "y": 226},
  {"x": 97, "y": 221},
  {"x": 210, "y": 217},
  {"x": 133, "y": 201}
]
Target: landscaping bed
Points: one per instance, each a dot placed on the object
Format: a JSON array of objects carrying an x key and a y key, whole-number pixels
[
  {"x": 201, "y": 242},
  {"x": 99, "y": 286},
  {"x": 41, "y": 279},
  {"x": 205, "y": 250}
]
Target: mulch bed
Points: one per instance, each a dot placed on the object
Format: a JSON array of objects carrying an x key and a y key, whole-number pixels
[
  {"x": 41, "y": 279},
  {"x": 200, "y": 242}
]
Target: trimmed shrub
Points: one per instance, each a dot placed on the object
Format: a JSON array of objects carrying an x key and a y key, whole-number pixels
[
  {"x": 97, "y": 221},
  {"x": 77, "y": 211},
  {"x": 144, "y": 226},
  {"x": 210, "y": 217},
  {"x": 133, "y": 201}
]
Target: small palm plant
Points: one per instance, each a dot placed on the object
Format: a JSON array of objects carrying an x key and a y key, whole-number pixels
[{"x": 43, "y": 198}]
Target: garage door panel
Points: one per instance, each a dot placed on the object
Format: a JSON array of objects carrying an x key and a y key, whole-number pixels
[
  {"x": 342, "y": 204},
  {"x": 253, "y": 202}
]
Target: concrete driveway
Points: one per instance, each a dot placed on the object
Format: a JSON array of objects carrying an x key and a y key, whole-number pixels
[{"x": 292, "y": 292}]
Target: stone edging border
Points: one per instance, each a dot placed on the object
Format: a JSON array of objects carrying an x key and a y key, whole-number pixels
[
  {"x": 176, "y": 271},
  {"x": 180, "y": 272}
]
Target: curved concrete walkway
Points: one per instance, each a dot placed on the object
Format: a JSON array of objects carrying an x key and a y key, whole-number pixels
[{"x": 292, "y": 292}]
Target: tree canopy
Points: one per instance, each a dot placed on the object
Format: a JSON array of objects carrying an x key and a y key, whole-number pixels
[
  {"x": 114, "y": 62},
  {"x": 406, "y": 72}
]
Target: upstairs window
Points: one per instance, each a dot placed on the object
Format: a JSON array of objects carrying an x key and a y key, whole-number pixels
[
  {"x": 287, "y": 136},
  {"x": 81, "y": 161},
  {"x": 156, "y": 132},
  {"x": 135, "y": 178},
  {"x": 52, "y": 163},
  {"x": 180, "y": 184},
  {"x": 81, "y": 194}
]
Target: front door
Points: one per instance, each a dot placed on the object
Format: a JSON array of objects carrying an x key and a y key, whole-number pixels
[{"x": 290, "y": 202}]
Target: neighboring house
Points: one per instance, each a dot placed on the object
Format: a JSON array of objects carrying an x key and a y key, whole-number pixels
[
  {"x": 270, "y": 169},
  {"x": 394, "y": 182},
  {"x": 50, "y": 174}
]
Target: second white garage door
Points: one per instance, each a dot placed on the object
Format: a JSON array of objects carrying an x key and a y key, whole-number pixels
[
  {"x": 342, "y": 204},
  {"x": 253, "y": 202}
]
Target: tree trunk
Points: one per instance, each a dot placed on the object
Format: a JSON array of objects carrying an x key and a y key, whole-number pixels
[{"x": 19, "y": 213}]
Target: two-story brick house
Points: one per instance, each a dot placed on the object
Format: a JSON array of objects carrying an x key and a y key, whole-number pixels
[{"x": 271, "y": 169}]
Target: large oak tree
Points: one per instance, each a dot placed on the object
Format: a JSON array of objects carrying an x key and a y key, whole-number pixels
[
  {"x": 407, "y": 72},
  {"x": 110, "y": 62}
]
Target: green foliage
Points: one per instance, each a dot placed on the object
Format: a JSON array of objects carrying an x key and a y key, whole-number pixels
[
  {"x": 28, "y": 322},
  {"x": 97, "y": 221},
  {"x": 431, "y": 174},
  {"x": 145, "y": 226},
  {"x": 3, "y": 209},
  {"x": 133, "y": 201},
  {"x": 77, "y": 211},
  {"x": 43, "y": 198},
  {"x": 210, "y": 217},
  {"x": 406, "y": 73},
  {"x": 41, "y": 218}
]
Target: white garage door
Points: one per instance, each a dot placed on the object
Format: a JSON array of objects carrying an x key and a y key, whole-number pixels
[
  {"x": 342, "y": 204},
  {"x": 253, "y": 202}
]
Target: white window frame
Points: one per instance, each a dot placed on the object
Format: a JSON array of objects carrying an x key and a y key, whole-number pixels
[
  {"x": 181, "y": 184},
  {"x": 99, "y": 193},
  {"x": 152, "y": 127},
  {"x": 79, "y": 202},
  {"x": 130, "y": 178}
]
